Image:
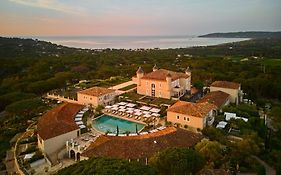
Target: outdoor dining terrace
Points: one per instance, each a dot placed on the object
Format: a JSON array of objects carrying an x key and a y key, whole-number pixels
[{"x": 133, "y": 111}]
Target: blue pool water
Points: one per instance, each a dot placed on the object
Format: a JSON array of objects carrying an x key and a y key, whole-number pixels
[{"x": 109, "y": 123}]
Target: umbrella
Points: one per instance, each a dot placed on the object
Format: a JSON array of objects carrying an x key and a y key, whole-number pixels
[
  {"x": 122, "y": 110},
  {"x": 147, "y": 115},
  {"x": 155, "y": 114},
  {"x": 131, "y": 105},
  {"x": 146, "y": 112},
  {"x": 155, "y": 110},
  {"x": 146, "y": 108},
  {"x": 122, "y": 103}
]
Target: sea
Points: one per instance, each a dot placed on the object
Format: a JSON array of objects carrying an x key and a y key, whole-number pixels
[{"x": 135, "y": 42}]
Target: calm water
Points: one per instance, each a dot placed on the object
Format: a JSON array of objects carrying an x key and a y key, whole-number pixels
[
  {"x": 109, "y": 123},
  {"x": 134, "y": 42}
]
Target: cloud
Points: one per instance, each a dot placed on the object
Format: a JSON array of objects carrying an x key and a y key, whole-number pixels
[{"x": 51, "y": 5}]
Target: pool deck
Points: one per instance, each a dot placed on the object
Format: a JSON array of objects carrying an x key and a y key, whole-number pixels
[
  {"x": 124, "y": 118},
  {"x": 120, "y": 117}
]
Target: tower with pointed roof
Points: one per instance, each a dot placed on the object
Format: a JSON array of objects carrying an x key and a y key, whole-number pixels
[
  {"x": 140, "y": 74},
  {"x": 169, "y": 81},
  {"x": 155, "y": 68}
]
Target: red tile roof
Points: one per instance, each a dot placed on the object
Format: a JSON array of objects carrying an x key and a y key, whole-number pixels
[
  {"x": 217, "y": 98},
  {"x": 226, "y": 84},
  {"x": 192, "y": 109},
  {"x": 58, "y": 121},
  {"x": 142, "y": 146},
  {"x": 96, "y": 91},
  {"x": 161, "y": 75}
]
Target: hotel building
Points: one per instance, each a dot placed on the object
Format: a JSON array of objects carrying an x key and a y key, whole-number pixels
[{"x": 162, "y": 83}]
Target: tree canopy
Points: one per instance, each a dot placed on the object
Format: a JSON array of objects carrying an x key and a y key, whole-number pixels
[
  {"x": 177, "y": 161},
  {"x": 107, "y": 166}
]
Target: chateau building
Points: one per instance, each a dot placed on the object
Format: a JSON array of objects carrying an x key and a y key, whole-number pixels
[{"x": 162, "y": 83}]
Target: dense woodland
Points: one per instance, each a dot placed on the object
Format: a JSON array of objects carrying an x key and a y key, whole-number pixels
[{"x": 30, "y": 68}]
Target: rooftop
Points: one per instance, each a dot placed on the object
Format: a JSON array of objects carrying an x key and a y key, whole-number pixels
[
  {"x": 96, "y": 91},
  {"x": 141, "y": 146},
  {"x": 192, "y": 109},
  {"x": 217, "y": 98},
  {"x": 161, "y": 75},
  {"x": 58, "y": 121},
  {"x": 226, "y": 84}
]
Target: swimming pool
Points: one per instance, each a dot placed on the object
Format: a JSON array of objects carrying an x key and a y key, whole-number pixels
[{"x": 107, "y": 123}]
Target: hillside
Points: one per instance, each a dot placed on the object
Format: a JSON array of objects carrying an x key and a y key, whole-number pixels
[
  {"x": 30, "y": 68},
  {"x": 250, "y": 34}
]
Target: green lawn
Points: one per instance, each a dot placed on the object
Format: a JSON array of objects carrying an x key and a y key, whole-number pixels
[{"x": 128, "y": 87}]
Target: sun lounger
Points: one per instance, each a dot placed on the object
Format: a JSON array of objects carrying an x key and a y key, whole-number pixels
[
  {"x": 133, "y": 134},
  {"x": 142, "y": 133}
]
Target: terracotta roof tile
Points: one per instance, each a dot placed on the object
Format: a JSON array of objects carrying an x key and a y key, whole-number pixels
[
  {"x": 142, "y": 146},
  {"x": 192, "y": 109},
  {"x": 226, "y": 84},
  {"x": 58, "y": 121},
  {"x": 217, "y": 98},
  {"x": 161, "y": 75},
  {"x": 96, "y": 91}
]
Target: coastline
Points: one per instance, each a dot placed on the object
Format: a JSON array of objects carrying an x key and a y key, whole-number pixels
[{"x": 134, "y": 42}]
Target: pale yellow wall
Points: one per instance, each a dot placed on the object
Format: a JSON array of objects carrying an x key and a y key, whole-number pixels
[
  {"x": 54, "y": 144},
  {"x": 232, "y": 92},
  {"x": 95, "y": 101},
  {"x": 161, "y": 87},
  {"x": 195, "y": 122},
  {"x": 87, "y": 99}
]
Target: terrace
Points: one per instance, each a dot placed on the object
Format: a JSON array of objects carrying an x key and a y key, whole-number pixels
[
  {"x": 135, "y": 112},
  {"x": 141, "y": 99}
]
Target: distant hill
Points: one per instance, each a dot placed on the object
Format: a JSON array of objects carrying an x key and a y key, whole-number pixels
[
  {"x": 250, "y": 34},
  {"x": 30, "y": 48}
]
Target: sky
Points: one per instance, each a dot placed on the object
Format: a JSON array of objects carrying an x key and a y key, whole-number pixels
[{"x": 136, "y": 17}]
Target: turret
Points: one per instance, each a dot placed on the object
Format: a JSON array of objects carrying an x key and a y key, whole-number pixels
[
  {"x": 188, "y": 81},
  {"x": 155, "y": 68},
  {"x": 187, "y": 71},
  {"x": 169, "y": 81},
  {"x": 140, "y": 74}
]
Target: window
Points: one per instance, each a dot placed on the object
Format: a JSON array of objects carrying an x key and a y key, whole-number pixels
[
  {"x": 160, "y": 85},
  {"x": 178, "y": 117},
  {"x": 153, "y": 90},
  {"x": 90, "y": 98},
  {"x": 184, "y": 118},
  {"x": 187, "y": 118}
]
